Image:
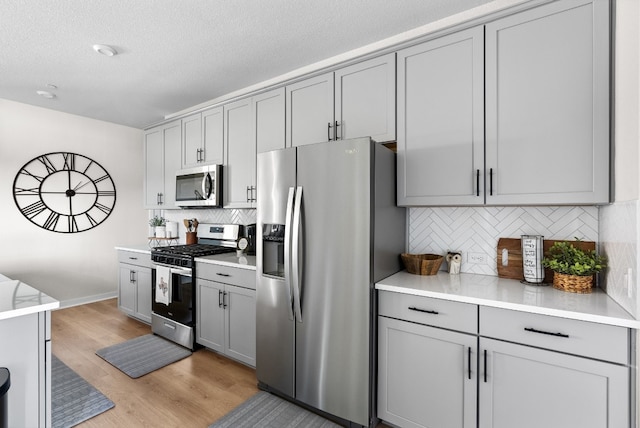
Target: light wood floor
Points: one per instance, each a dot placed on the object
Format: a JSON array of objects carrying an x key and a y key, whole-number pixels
[{"x": 193, "y": 392}]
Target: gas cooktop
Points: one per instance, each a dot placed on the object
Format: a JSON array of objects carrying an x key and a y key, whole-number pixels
[{"x": 193, "y": 250}]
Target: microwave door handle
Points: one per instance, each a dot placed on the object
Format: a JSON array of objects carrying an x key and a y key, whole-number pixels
[
  {"x": 207, "y": 180},
  {"x": 287, "y": 250},
  {"x": 295, "y": 254}
]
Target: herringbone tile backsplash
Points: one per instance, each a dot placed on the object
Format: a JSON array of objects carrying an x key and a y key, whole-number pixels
[{"x": 477, "y": 229}]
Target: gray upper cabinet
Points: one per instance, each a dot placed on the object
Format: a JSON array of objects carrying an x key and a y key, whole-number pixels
[
  {"x": 365, "y": 98},
  {"x": 309, "y": 105},
  {"x": 162, "y": 154},
  {"x": 240, "y": 163},
  {"x": 268, "y": 113},
  {"x": 203, "y": 138},
  {"x": 547, "y": 105},
  {"x": 440, "y": 121},
  {"x": 354, "y": 101},
  {"x": 213, "y": 136},
  {"x": 191, "y": 140},
  {"x": 497, "y": 121}
]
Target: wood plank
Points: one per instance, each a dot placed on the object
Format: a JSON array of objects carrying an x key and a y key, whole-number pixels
[
  {"x": 513, "y": 267},
  {"x": 193, "y": 392}
]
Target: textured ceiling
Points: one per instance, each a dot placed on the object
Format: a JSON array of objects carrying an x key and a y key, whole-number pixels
[{"x": 174, "y": 54}]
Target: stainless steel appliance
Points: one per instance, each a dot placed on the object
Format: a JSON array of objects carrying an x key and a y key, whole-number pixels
[
  {"x": 328, "y": 229},
  {"x": 199, "y": 187},
  {"x": 173, "y": 315}
]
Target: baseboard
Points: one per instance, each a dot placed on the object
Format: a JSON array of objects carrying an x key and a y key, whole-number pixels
[{"x": 87, "y": 299}]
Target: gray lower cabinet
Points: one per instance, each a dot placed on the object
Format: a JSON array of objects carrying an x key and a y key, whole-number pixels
[
  {"x": 427, "y": 376},
  {"x": 528, "y": 370},
  {"x": 526, "y": 387},
  {"x": 226, "y": 314},
  {"x": 134, "y": 285},
  {"x": 25, "y": 349},
  {"x": 547, "y": 371}
]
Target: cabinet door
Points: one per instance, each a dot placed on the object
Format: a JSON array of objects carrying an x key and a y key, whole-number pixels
[
  {"x": 547, "y": 101},
  {"x": 210, "y": 315},
  {"x": 127, "y": 290},
  {"x": 365, "y": 100},
  {"x": 309, "y": 107},
  {"x": 526, "y": 387},
  {"x": 441, "y": 122},
  {"x": 240, "y": 167},
  {"x": 191, "y": 140},
  {"x": 153, "y": 168},
  {"x": 269, "y": 120},
  {"x": 426, "y": 376},
  {"x": 172, "y": 135},
  {"x": 143, "y": 294},
  {"x": 213, "y": 136},
  {"x": 240, "y": 342},
  {"x": 20, "y": 351}
]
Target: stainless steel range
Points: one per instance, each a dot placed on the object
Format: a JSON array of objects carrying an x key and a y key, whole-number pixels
[{"x": 173, "y": 305}]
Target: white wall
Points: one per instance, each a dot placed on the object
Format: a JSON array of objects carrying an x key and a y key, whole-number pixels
[{"x": 71, "y": 267}]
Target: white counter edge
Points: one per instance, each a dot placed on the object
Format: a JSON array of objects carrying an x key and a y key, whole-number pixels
[{"x": 13, "y": 313}]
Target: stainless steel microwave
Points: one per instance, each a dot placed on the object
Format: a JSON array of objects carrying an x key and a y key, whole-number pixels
[{"x": 199, "y": 187}]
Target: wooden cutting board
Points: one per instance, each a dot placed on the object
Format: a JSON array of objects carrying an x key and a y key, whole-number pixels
[{"x": 513, "y": 256}]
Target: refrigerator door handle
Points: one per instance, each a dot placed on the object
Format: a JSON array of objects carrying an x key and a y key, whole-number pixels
[
  {"x": 296, "y": 271},
  {"x": 287, "y": 250}
]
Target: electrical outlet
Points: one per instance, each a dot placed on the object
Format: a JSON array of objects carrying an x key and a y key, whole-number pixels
[{"x": 477, "y": 258}]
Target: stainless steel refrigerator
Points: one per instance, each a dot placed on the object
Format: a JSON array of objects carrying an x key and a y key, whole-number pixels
[{"x": 328, "y": 229}]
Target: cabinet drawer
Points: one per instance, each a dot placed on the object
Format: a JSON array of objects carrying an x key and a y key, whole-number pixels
[
  {"x": 429, "y": 311},
  {"x": 589, "y": 339},
  {"x": 229, "y": 275},
  {"x": 134, "y": 258}
]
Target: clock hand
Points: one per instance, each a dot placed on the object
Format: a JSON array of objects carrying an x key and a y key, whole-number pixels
[{"x": 78, "y": 187}]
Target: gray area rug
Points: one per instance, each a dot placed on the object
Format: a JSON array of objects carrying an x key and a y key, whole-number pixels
[
  {"x": 73, "y": 399},
  {"x": 142, "y": 355},
  {"x": 267, "y": 410}
]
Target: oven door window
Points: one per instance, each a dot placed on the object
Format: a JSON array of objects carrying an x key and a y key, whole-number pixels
[{"x": 180, "y": 308}]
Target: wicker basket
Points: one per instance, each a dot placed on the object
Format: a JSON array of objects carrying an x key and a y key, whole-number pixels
[
  {"x": 572, "y": 283},
  {"x": 422, "y": 264}
]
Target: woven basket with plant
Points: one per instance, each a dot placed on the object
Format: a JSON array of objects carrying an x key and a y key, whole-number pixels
[{"x": 573, "y": 268}]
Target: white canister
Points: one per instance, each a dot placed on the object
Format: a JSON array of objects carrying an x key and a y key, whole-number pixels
[
  {"x": 172, "y": 229},
  {"x": 532, "y": 251}
]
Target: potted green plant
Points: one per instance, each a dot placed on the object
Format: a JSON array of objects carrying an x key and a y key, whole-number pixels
[
  {"x": 573, "y": 268},
  {"x": 159, "y": 226}
]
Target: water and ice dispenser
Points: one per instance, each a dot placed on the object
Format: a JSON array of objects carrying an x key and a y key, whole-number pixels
[{"x": 273, "y": 250}]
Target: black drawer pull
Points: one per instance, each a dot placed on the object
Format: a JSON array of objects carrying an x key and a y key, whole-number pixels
[
  {"x": 533, "y": 330},
  {"x": 426, "y": 311},
  {"x": 222, "y": 274}
]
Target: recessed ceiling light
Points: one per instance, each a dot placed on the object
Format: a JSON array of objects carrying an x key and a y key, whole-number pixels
[
  {"x": 105, "y": 50},
  {"x": 46, "y": 94}
]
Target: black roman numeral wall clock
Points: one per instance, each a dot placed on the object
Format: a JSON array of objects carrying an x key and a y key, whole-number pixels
[{"x": 64, "y": 192}]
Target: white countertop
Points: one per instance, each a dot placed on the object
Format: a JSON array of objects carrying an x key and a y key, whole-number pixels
[
  {"x": 136, "y": 249},
  {"x": 229, "y": 259},
  {"x": 511, "y": 294},
  {"x": 18, "y": 298}
]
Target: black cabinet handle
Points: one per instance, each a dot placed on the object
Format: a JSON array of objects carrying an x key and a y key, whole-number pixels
[
  {"x": 329, "y": 131},
  {"x": 222, "y": 274},
  {"x": 224, "y": 299},
  {"x": 491, "y": 181},
  {"x": 533, "y": 330},
  {"x": 477, "y": 182},
  {"x": 219, "y": 298},
  {"x": 426, "y": 311},
  {"x": 485, "y": 366},
  {"x": 469, "y": 355},
  {"x": 336, "y": 131}
]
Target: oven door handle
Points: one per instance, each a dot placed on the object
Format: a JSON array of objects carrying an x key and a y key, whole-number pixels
[{"x": 183, "y": 272}]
